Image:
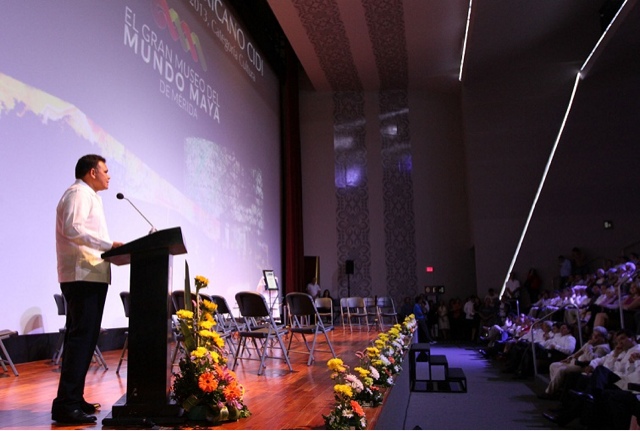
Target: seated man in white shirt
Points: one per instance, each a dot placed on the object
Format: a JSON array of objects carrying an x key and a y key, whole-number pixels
[
  {"x": 596, "y": 347},
  {"x": 600, "y": 375},
  {"x": 561, "y": 345}
]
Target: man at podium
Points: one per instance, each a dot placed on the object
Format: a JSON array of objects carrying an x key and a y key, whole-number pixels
[{"x": 81, "y": 238}]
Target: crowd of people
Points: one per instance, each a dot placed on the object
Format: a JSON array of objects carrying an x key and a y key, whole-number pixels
[{"x": 582, "y": 334}]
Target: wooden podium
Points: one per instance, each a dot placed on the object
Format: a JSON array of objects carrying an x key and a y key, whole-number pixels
[{"x": 148, "y": 364}]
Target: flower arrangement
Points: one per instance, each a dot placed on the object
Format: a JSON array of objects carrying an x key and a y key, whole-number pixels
[
  {"x": 205, "y": 384},
  {"x": 379, "y": 364},
  {"x": 388, "y": 349},
  {"x": 347, "y": 412}
]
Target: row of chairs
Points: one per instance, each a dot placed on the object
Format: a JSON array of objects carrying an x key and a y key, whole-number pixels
[
  {"x": 372, "y": 311},
  {"x": 256, "y": 332},
  {"x": 256, "y": 323}
]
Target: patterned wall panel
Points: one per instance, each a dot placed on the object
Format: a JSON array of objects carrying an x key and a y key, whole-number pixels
[
  {"x": 385, "y": 20},
  {"x": 326, "y": 32},
  {"x": 352, "y": 192}
]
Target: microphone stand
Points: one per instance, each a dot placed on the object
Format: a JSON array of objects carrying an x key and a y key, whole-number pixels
[{"x": 153, "y": 229}]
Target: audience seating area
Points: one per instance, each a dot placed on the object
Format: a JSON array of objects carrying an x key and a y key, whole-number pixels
[{"x": 579, "y": 339}]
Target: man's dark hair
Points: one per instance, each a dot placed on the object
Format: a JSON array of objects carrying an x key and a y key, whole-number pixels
[
  {"x": 86, "y": 163},
  {"x": 626, "y": 331}
]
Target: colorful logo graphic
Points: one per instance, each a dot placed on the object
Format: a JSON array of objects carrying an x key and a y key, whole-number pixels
[{"x": 167, "y": 17}]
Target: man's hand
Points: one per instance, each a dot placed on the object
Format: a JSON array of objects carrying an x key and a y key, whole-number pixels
[{"x": 116, "y": 244}]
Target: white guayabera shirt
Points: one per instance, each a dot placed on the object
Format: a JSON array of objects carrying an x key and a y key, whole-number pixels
[{"x": 82, "y": 236}]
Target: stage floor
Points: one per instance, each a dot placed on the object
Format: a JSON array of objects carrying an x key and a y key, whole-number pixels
[{"x": 278, "y": 399}]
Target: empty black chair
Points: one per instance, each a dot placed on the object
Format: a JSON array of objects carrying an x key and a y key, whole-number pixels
[
  {"x": 176, "y": 302},
  {"x": 227, "y": 325},
  {"x": 126, "y": 302},
  {"x": 303, "y": 312},
  {"x": 253, "y": 307},
  {"x": 61, "y": 303},
  {"x": 4, "y": 334}
]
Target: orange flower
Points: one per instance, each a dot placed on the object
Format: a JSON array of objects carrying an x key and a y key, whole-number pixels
[
  {"x": 233, "y": 391},
  {"x": 207, "y": 382},
  {"x": 356, "y": 408}
]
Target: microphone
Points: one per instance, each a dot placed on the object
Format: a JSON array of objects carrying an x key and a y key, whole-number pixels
[{"x": 121, "y": 196}]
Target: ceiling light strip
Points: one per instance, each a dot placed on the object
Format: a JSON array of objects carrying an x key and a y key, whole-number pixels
[
  {"x": 464, "y": 44},
  {"x": 544, "y": 177},
  {"x": 586, "y": 65}
]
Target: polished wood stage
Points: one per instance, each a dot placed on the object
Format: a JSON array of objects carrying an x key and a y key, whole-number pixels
[{"x": 278, "y": 399}]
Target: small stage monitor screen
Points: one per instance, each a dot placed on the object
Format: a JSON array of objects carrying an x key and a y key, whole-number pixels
[{"x": 270, "y": 279}]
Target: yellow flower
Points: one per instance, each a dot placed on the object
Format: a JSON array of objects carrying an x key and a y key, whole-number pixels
[
  {"x": 336, "y": 365},
  {"x": 218, "y": 340},
  {"x": 206, "y": 333},
  {"x": 208, "y": 317},
  {"x": 211, "y": 306},
  {"x": 205, "y": 324},
  {"x": 344, "y": 390},
  {"x": 362, "y": 371},
  {"x": 199, "y": 352},
  {"x": 379, "y": 344},
  {"x": 201, "y": 281},
  {"x": 184, "y": 314}
]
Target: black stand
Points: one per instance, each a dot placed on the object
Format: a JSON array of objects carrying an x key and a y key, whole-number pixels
[{"x": 147, "y": 401}]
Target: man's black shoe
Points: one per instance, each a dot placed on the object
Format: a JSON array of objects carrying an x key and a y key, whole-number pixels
[
  {"x": 559, "y": 419},
  {"x": 582, "y": 395},
  {"x": 89, "y": 408},
  {"x": 77, "y": 416}
]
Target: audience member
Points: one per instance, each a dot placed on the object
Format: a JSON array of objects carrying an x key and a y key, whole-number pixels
[
  {"x": 579, "y": 262},
  {"x": 596, "y": 347},
  {"x": 492, "y": 296},
  {"x": 597, "y": 378},
  {"x": 565, "y": 271},
  {"x": 443, "y": 320},
  {"x": 420, "y": 310},
  {"x": 532, "y": 285},
  {"x": 313, "y": 288},
  {"x": 512, "y": 287},
  {"x": 456, "y": 319},
  {"x": 406, "y": 309},
  {"x": 470, "y": 318}
]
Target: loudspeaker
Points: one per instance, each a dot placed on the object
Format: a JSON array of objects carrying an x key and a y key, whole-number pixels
[{"x": 348, "y": 267}]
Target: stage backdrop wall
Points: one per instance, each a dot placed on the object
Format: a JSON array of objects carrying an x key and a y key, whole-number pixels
[{"x": 185, "y": 109}]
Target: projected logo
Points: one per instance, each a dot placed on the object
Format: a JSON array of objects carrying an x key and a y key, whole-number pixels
[{"x": 166, "y": 17}]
